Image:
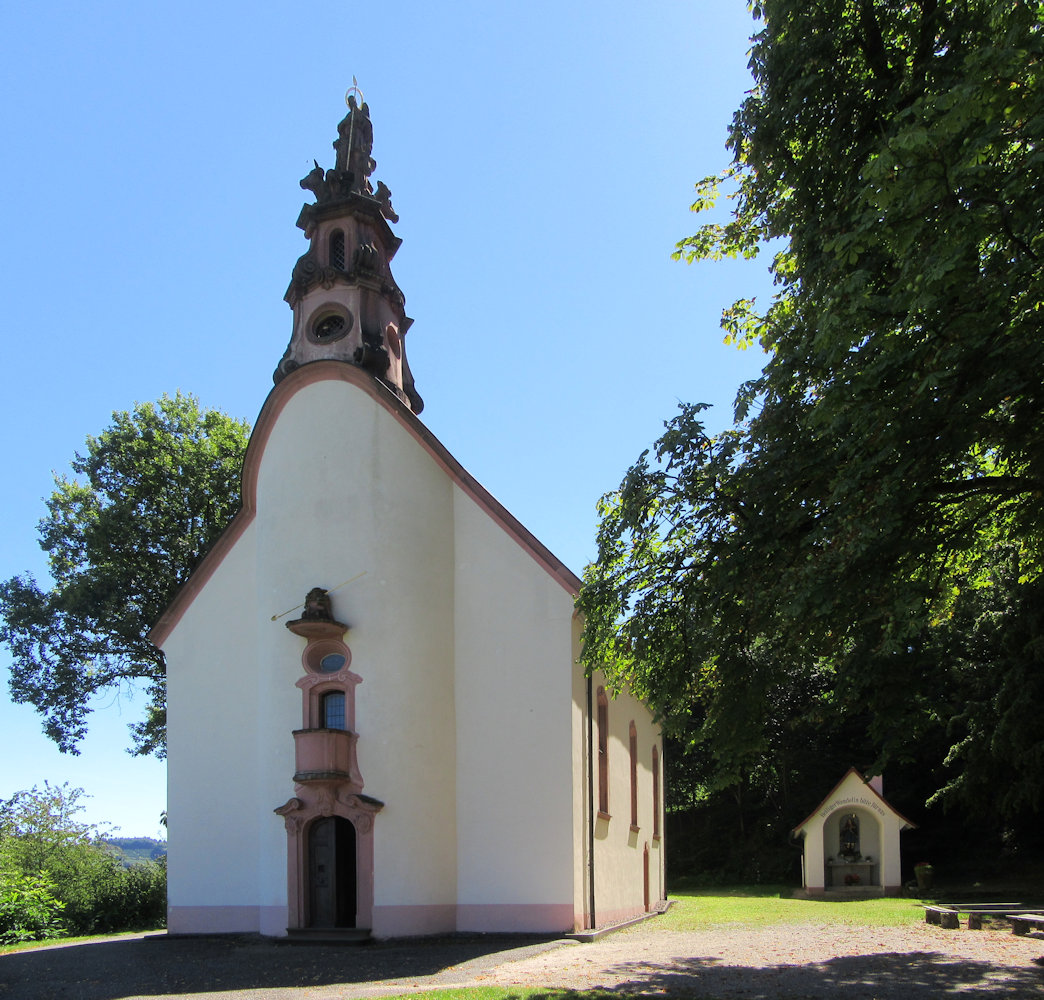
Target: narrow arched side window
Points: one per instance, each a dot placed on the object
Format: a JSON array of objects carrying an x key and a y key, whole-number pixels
[
  {"x": 633, "y": 747},
  {"x": 332, "y": 711},
  {"x": 603, "y": 754},
  {"x": 656, "y": 790},
  {"x": 337, "y": 249}
]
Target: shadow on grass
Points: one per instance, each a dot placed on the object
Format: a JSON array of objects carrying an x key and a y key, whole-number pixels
[{"x": 174, "y": 967}]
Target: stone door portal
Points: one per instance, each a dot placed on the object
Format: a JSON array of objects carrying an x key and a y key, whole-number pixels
[{"x": 331, "y": 873}]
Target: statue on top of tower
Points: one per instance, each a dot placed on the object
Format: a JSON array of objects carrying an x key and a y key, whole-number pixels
[
  {"x": 347, "y": 306},
  {"x": 353, "y": 166}
]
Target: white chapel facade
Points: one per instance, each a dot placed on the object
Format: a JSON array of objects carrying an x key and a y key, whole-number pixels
[{"x": 417, "y": 750}]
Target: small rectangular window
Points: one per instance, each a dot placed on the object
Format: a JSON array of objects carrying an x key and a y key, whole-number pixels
[{"x": 333, "y": 716}]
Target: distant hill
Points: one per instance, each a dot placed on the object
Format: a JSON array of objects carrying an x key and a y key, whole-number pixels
[{"x": 135, "y": 849}]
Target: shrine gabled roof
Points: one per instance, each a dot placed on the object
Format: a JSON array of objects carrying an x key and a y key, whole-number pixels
[{"x": 870, "y": 791}]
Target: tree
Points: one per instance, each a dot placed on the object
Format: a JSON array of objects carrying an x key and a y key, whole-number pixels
[
  {"x": 159, "y": 485},
  {"x": 37, "y": 828},
  {"x": 869, "y": 532},
  {"x": 56, "y": 870}
]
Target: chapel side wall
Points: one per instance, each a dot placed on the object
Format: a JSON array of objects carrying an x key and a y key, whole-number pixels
[
  {"x": 815, "y": 859},
  {"x": 581, "y": 787},
  {"x": 345, "y": 490},
  {"x": 513, "y": 634},
  {"x": 891, "y": 855},
  {"x": 212, "y": 771},
  {"x": 619, "y": 848}
]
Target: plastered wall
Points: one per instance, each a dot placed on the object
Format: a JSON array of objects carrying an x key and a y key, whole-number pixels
[{"x": 470, "y": 710}]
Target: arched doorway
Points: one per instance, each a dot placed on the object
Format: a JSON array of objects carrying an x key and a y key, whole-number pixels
[{"x": 332, "y": 876}]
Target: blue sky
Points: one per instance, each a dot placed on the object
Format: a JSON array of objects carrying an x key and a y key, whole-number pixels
[{"x": 541, "y": 157}]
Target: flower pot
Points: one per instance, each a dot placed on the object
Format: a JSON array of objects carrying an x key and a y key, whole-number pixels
[{"x": 924, "y": 875}]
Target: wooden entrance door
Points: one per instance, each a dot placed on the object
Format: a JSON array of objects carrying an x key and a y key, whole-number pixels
[{"x": 331, "y": 873}]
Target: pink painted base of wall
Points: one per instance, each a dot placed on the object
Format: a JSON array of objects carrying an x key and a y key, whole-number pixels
[
  {"x": 412, "y": 921},
  {"x": 534, "y": 918},
  {"x": 269, "y": 920},
  {"x": 388, "y": 921}
]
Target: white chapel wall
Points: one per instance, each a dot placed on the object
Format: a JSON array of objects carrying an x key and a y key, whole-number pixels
[
  {"x": 470, "y": 713},
  {"x": 513, "y": 625},
  {"x": 350, "y": 492},
  {"x": 212, "y": 700}
]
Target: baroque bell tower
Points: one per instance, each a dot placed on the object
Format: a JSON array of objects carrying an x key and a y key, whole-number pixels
[{"x": 347, "y": 306}]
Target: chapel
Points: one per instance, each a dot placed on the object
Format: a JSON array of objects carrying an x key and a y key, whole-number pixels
[
  {"x": 850, "y": 842},
  {"x": 414, "y": 749}
]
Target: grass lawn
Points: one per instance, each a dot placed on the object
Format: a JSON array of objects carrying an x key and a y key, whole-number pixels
[
  {"x": 7, "y": 949},
  {"x": 699, "y": 909}
]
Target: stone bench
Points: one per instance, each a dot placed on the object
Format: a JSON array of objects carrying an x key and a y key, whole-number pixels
[
  {"x": 938, "y": 913},
  {"x": 945, "y": 916},
  {"x": 1022, "y": 922}
]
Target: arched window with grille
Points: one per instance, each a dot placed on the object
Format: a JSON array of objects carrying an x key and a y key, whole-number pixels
[{"x": 337, "y": 249}]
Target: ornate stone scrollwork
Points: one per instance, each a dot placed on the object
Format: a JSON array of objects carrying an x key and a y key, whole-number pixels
[
  {"x": 366, "y": 258},
  {"x": 326, "y": 800},
  {"x": 373, "y": 358},
  {"x": 291, "y": 821}
]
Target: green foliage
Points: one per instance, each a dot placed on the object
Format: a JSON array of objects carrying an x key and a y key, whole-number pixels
[
  {"x": 762, "y": 906},
  {"x": 864, "y": 549},
  {"x": 101, "y": 894},
  {"x": 154, "y": 491},
  {"x": 43, "y": 843},
  {"x": 28, "y": 909}
]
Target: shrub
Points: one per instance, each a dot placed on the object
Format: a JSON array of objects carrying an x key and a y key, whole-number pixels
[
  {"x": 101, "y": 894},
  {"x": 28, "y": 909},
  {"x": 51, "y": 858}
]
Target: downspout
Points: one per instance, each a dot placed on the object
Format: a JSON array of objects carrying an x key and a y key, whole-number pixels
[{"x": 590, "y": 808}]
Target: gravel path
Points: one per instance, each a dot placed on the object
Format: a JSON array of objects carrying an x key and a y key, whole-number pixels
[
  {"x": 800, "y": 960},
  {"x": 782, "y": 961}
]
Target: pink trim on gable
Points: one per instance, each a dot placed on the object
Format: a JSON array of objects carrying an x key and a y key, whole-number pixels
[
  {"x": 873, "y": 791},
  {"x": 320, "y": 371}
]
